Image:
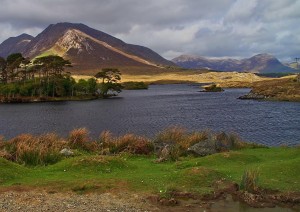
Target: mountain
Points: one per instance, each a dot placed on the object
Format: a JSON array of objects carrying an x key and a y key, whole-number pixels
[
  {"x": 261, "y": 63},
  {"x": 88, "y": 48},
  {"x": 14, "y": 44}
]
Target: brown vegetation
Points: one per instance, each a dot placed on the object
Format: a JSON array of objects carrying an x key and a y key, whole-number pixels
[
  {"x": 174, "y": 142},
  {"x": 286, "y": 89}
]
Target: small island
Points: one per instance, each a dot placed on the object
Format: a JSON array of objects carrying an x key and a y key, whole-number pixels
[
  {"x": 131, "y": 85},
  {"x": 212, "y": 88},
  {"x": 44, "y": 79}
]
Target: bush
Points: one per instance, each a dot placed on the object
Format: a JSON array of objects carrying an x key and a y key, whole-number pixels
[
  {"x": 193, "y": 138},
  {"x": 34, "y": 150},
  {"x": 171, "y": 135},
  {"x": 79, "y": 139},
  {"x": 129, "y": 143},
  {"x": 250, "y": 180}
]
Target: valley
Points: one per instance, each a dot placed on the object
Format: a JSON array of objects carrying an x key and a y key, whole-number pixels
[{"x": 157, "y": 144}]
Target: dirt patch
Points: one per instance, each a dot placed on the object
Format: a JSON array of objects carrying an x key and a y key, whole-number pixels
[
  {"x": 49, "y": 201},
  {"x": 226, "y": 197}
]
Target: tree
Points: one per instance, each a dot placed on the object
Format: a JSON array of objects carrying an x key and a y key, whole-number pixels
[
  {"x": 13, "y": 63},
  {"x": 3, "y": 70},
  {"x": 110, "y": 81},
  {"x": 50, "y": 68},
  {"x": 51, "y": 65},
  {"x": 92, "y": 85}
]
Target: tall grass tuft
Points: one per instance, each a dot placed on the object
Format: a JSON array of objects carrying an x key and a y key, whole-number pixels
[
  {"x": 35, "y": 150},
  {"x": 193, "y": 138},
  {"x": 171, "y": 135},
  {"x": 250, "y": 180},
  {"x": 178, "y": 140},
  {"x": 79, "y": 139},
  {"x": 129, "y": 143}
]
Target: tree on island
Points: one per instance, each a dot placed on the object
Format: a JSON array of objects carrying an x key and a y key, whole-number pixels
[
  {"x": 110, "y": 81},
  {"x": 50, "y": 69},
  {"x": 3, "y": 70},
  {"x": 45, "y": 78}
]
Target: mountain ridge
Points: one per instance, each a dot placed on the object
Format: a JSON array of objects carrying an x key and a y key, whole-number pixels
[
  {"x": 260, "y": 63},
  {"x": 14, "y": 44},
  {"x": 87, "y": 48}
]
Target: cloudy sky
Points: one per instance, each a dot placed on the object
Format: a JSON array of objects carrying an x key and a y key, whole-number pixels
[{"x": 216, "y": 28}]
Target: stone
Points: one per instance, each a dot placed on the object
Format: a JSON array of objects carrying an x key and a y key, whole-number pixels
[
  {"x": 66, "y": 152},
  {"x": 203, "y": 148},
  {"x": 164, "y": 154},
  {"x": 224, "y": 143},
  {"x": 253, "y": 95}
]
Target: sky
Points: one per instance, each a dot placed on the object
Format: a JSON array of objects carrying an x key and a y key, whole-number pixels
[{"x": 214, "y": 28}]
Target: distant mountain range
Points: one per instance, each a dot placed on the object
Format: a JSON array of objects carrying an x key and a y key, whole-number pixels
[
  {"x": 261, "y": 63},
  {"x": 86, "y": 48},
  {"x": 90, "y": 50}
]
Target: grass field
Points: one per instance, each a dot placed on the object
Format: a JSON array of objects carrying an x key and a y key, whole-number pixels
[
  {"x": 278, "y": 168},
  {"x": 225, "y": 79},
  {"x": 285, "y": 89}
]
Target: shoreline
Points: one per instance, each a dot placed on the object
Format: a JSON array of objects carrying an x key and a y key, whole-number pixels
[{"x": 196, "y": 169}]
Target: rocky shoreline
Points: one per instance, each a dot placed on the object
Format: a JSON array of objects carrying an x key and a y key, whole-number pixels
[
  {"x": 40, "y": 99},
  {"x": 252, "y": 95}
]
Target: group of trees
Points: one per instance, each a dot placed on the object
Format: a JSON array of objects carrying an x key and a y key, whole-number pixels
[{"x": 45, "y": 77}]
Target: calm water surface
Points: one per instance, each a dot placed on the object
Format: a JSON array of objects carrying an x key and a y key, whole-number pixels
[{"x": 146, "y": 112}]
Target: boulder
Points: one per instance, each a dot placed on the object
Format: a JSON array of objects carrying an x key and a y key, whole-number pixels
[
  {"x": 224, "y": 142},
  {"x": 203, "y": 148},
  {"x": 66, "y": 152},
  {"x": 253, "y": 95}
]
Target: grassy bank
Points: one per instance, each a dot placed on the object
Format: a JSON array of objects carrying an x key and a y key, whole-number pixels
[
  {"x": 225, "y": 79},
  {"x": 131, "y": 163},
  {"x": 286, "y": 89},
  {"x": 279, "y": 170}
]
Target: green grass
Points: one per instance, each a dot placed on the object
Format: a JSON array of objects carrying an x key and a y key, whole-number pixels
[{"x": 278, "y": 168}]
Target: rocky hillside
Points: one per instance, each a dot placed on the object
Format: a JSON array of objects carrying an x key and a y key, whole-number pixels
[
  {"x": 261, "y": 63},
  {"x": 87, "y": 48},
  {"x": 14, "y": 44}
]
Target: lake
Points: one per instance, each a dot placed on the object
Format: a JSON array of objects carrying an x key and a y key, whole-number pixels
[{"x": 146, "y": 112}]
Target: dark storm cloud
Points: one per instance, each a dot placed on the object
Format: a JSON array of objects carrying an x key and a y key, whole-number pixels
[{"x": 238, "y": 28}]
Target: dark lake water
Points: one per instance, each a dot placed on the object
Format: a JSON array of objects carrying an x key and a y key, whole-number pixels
[{"x": 146, "y": 112}]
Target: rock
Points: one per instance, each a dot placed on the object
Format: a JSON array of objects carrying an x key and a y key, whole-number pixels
[
  {"x": 66, "y": 152},
  {"x": 164, "y": 154},
  {"x": 212, "y": 88},
  {"x": 253, "y": 95},
  {"x": 203, "y": 148},
  {"x": 224, "y": 142}
]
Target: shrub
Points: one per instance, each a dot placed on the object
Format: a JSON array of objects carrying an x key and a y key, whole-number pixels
[
  {"x": 193, "y": 138},
  {"x": 175, "y": 152},
  {"x": 79, "y": 139},
  {"x": 130, "y": 143},
  {"x": 250, "y": 180},
  {"x": 171, "y": 135},
  {"x": 35, "y": 150},
  {"x": 105, "y": 138}
]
